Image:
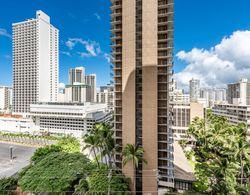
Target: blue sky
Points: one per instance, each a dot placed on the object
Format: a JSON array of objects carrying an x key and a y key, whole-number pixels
[{"x": 198, "y": 23}]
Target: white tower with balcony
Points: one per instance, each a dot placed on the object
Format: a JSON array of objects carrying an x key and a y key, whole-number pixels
[{"x": 35, "y": 62}]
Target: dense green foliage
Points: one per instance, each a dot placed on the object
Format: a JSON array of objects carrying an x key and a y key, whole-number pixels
[
  {"x": 222, "y": 155},
  {"x": 57, "y": 172},
  {"x": 103, "y": 180},
  {"x": 60, "y": 168},
  {"x": 26, "y": 135},
  {"x": 69, "y": 144},
  {"x": 7, "y": 185},
  {"x": 41, "y": 153}
]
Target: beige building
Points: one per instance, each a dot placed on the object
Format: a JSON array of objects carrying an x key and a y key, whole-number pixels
[
  {"x": 90, "y": 80},
  {"x": 183, "y": 115},
  {"x": 142, "y": 46}
]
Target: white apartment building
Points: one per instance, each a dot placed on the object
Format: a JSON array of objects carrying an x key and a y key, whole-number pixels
[
  {"x": 35, "y": 62},
  {"x": 90, "y": 80},
  {"x": 68, "y": 118},
  {"x": 76, "y": 93},
  {"x": 5, "y": 98},
  {"x": 106, "y": 96},
  {"x": 76, "y": 90},
  {"x": 194, "y": 89},
  {"x": 183, "y": 115},
  {"x": 11, "y": 124},
  {"x": 239, "y": 93},
  {"x": 235, "y": 114},
  {"x": 213, "y": 96},
  {"x": 179, "y": 96}
]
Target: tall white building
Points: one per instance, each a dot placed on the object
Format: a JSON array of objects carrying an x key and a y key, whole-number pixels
[
  {"x": 239, "y": 93},
  {"x": 5, "y": 98},
  {"x": 90, "y": 80},
  {"x": 194, "y": 85},
  {"x": 35, "y": 62},
  {"x": 213, "y": 96}
]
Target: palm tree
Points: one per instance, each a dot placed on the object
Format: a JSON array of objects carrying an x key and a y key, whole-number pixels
[
  {"x": 134, "y": 154},
  {"x": 92, "y": 143},
  {"x": 242, "y": 153}
]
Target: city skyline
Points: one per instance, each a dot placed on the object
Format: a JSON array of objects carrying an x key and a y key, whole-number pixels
[{"x": 81, "y": 19}]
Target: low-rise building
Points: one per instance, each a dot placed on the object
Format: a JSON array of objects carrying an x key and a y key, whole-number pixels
[
  {"x": 178, "y": 95},
  {"x": 68, "y": 118},
  {"x": 235, "y": 114},
  {"x": 17, "y": 124},
  {"x": 183, "y": 115}
]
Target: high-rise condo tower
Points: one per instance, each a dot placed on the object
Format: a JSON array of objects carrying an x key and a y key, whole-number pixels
[
  {"x": 35, "y": 62},
  {"x": 142, "y": 54}
]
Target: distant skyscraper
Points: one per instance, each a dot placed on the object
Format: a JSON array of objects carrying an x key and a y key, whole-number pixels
[
  {"x": 75, "y": 91},
  {"x": 35, "y": 62},
  {"x": 90, "y": 81},
  {"x": 5, "y": 98},
  {"x": 213, "y": 96},
  {"x": 194, "y": 90},
  {"x": 77, "y": 75},
  {"x": 239, "y": 93},
  {"x": 142, "y": 50}
]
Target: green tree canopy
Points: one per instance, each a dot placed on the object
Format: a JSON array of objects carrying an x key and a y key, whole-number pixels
[
  {"x": 222, "y": 154},
  {"x": 57, "y": 172},
  {"x": 7, "y": 185},
  {"x": 102, "y": 180}
]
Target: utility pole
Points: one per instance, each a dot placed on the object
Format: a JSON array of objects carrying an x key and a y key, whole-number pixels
[
  {"x": 11, "y": 153},
  {"x": 109, "y": 180}
]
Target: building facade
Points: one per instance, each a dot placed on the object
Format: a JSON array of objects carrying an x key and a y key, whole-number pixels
[
  {"x": 35, "y": 62},
  {"x": 235, "y": 114},
  {"x": 183, "y": 115},
  {"x": 179, "y": 96},
  {"x": 106, "y": 96},
  {"x": 213, "y": 96},
  {"x": 5, "y": 98},
  {"x": 11, "y": 124},
  {"x": 194, "y": 89},
  {"x": 142, "y": 51},
  {"x": 90, "y": 81},
  {"x": 68, "y": 118},
  {"x": 239, "y": 93},
  {"x": 77, "y": 75}
]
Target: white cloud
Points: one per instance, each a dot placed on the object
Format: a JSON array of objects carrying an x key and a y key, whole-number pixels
[
  {"x": 92, "y": 48},
  {"x": 226, "y": 62},
  {"x": 107, "y": 57},
  {"x": 97, "y": 16},
  {"x": 61, "y": 86},
  {"x": 66, "y": 53},
  {"x": 3, "y": 32}
]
